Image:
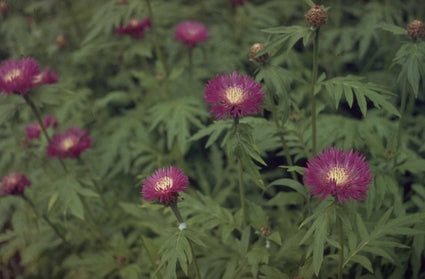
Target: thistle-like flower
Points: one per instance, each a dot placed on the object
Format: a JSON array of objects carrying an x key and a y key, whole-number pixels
[
  {"x": 338, "y": 173},
  {"x": 69, "y": 144},
  {"x": 19, "y": 76},
  {"x": 135, "y": 28},
  {"x": 233, "y": 95},
  {"x": 14, "y": 184},
  {"x": 191, "y": 33},
  {"x": 316, "y": 17},
  {"x": 164, "y": 185}
]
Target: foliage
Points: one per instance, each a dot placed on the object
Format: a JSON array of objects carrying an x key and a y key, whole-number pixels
[{"x": 141, "y": 101}]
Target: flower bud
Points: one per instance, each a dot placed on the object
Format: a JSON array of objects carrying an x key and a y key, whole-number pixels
[
  {"x": 266, "y": 231},
  {"x": 61, "y": 41},
  {"x": 254, "y": 50},
  {"x": 4, "y": 7},
  {"x": 122, "y": 2},
  {"x": 316, "y": 17},
  {"x": 416, "y": 29}
]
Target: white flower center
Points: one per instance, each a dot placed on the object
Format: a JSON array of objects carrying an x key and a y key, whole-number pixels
[
  {"x": 234, "y": 95},
  {"x": 337, "y": 174},
  {"x": 12, "y": 74},
  {"x": 67, "y": 143},
  {"x": 164, "y": 183}
]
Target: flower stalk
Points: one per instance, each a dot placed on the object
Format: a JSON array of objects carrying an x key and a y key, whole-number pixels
[
  {"x": 341, "y": 249},
  {"x": 312, "y": 95}
]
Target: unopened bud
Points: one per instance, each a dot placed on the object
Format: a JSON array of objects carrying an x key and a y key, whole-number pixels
[
  {"x": 61, "y": 41},
  {"x": 416, "y": 29},
  {"x": 266, "y": 231},
  {"x": 316, "y": 17},
  {"x": 254, "y": 50},
  {"x": 4, "y": 7}
]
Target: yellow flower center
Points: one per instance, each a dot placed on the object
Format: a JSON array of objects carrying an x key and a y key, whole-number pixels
[
  {"x": 12, "y": 74},
  {"x": 234, "y": 95},
  {"x": 68, "y": 143},
  {"x": 337, "y": 174},
  {"x": 164, "y": 183},
  {"x": 12, "y": 179}
]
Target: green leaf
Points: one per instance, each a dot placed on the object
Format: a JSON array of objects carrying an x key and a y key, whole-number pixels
[
  {"x": 396, "y": 30},
  {"x": 288, "y": 36},
  {"x": 293, "y": 184},
  {"x": 363, "y": 261},
  {"x": 320, "y": 236}
]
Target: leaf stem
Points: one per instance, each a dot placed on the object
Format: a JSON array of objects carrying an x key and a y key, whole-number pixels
[
  {"x": 190, "y": 57},
  {"x": 312, "y": 96}
]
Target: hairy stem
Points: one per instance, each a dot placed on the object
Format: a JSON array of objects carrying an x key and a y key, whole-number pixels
[
  {"x": 242, "y": 192},
  {"x": 341, "y": 249},
  {"x": 156, "y": 39},
  {"x": 179, "y": 218},
  {"x": 400, "y": 122},
  {"x": 312, "y": 96}
]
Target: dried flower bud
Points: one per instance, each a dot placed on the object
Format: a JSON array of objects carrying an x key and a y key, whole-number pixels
[
  {"x": 254, "y": 50},
  {"x": 316, "y": 17},
  {"x": 61, "y": 41},
  {"x": 4, "y": 7},
  {"x": 266, "y": 231},
  {"x": 416, "y": 29}
]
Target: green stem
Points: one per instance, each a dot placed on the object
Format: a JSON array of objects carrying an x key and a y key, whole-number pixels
[
  {"x": 152, "y": 260},
  {"x": 190, "y": 57},
  {"x": 179, "y": 218},
  {"x": 40, "y": 122},
  {"x": 156, "y": 39},
  {"x": 313, "y": 83},
  {"x": 242, "y": 192},
  {"x": 44, "y": 216},
  {"x": 400, "y": 122},
  {"x": 38, "y": 116},
  {"x": 341, "y": 249}
]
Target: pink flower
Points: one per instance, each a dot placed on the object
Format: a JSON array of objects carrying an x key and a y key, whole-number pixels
[
  {"x": 135, "y": 27},
  {"x": 33, "y": 131},
  {"x": 338, "y": 173},
  {"x": 14, "y": 184},
  {"x": 19, "y": 76},
  {"x": 233, "y": 95},
  {"x": 46, "y": 77},
  {"x": 69, "y": 144},
  {"x": 191, "y": 33},
  {"x": 164, "y": 185}
]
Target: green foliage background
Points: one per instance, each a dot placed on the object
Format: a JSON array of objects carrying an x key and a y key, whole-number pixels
[{"x": 144, "y": 113}]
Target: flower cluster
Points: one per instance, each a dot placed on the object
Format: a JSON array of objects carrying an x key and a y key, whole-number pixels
[
  {"x": 33, "y": 131},
  {"x": 164, "y": 185},
  {"x": 191, "y": 33},
  {"x": 135, "y": 28},
  {"x": 14, "y": 184},
  {"x": 69, "y": 144},
  {"x": 20, "y": 76},
  {"x": 233, "y": 95},
  {"x": 338, "y": 173}
]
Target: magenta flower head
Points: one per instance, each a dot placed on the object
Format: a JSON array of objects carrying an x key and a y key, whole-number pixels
[
  {"x": 46, "y": 77},
  {"x": 233, "y": 95},
  {"x": 14, "y": 184},
  {"x": 191, "y": 33},
  {"x": 164, "y": 185},
  {"x": 69, "y": 144},
  {"x": 135, "y": 28},
  {"x": 17, "y": 76},
  {"x": 338, "y": 173}
]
